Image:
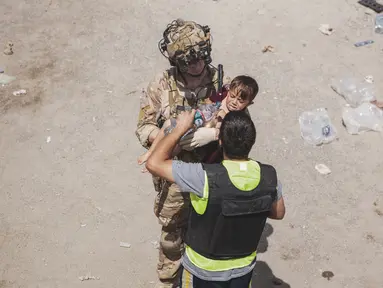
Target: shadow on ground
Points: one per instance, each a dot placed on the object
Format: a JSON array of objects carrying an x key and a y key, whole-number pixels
[{"x": 263, "y": 275}]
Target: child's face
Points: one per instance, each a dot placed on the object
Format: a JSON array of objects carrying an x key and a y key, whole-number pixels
[{"x": 235, "y": 102}]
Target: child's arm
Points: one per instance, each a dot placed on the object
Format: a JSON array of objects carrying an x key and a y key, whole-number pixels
[{"x": 220, "y": 115}]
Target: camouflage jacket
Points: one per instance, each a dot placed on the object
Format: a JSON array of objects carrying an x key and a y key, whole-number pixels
[{"x": 164, "y": 93}]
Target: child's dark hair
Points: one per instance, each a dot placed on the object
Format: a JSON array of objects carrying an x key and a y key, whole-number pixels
[{"x": 245, "y": 86}]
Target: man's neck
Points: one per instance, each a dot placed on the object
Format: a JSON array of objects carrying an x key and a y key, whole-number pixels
[{"x": 236, "y": 160}]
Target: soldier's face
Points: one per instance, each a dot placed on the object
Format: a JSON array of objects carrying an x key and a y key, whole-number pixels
[{"x": 196, "y": 68}]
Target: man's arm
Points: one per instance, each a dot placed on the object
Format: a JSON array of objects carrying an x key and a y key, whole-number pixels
[
  {"x": 278, "y": 208},
  {"x": 160, "y": 161},
  {"x": 147, "y": 126}
]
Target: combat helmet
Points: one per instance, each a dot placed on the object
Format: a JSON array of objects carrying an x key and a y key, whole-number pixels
[{"x": 185, "y": 42}]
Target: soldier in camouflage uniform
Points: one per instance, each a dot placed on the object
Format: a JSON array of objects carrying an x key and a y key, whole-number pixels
[{"x": 188, "y": 83}]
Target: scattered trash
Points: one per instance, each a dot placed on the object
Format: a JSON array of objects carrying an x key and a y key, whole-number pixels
[
  {"x": 326, "y": 29},
  {"x": 378, "y": 212},
  {"x": 364, "y": 118},
  {"x": 328, "y": 275},
  {"x": 379, "y": 24},
  {"x": 88, "y": 277},
  {"x": 49, "y": 139},
  {"x": 268, "y": 48},
  {"x": 377, "y": 209},
  {"x": 354, "y": 91},
  {"x": 369, "y": 79},
  {"x": 6, "y": 79},
  {"x": 368, "y": 12},
  {"x": 378, "y": 104},
  {"x": 8, "y": 49},
  {"x": 370, "y": 237},
  {"x": 156, "y": 244},
  {"x": 125, "y": 245},
  {"x": 19, "y": 92},
  {"x": 284, "y": 139},
  {"x": 363, "y": 43},
  {"x": 261, "y": 12},
  {"x": 83, "y": 225},
  {"x": 316, "y": 127},
  {"x": 1, "y": 70},
  {"x": 372, "y": 4},
  {"x": 49, "y": 4},
  {"x": 322, "y": 169}
]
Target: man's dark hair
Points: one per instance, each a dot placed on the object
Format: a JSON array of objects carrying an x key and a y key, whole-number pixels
[{"x": 237, "y": 135}]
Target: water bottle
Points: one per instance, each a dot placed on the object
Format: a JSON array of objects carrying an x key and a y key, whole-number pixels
[{"x": 379, "y": 24}]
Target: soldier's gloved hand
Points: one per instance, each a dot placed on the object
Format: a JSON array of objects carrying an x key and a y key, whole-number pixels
[{"x": 199, "y": 138}]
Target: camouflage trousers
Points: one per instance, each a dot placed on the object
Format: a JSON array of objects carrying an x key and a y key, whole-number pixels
[{"x": 172, "y": 209}]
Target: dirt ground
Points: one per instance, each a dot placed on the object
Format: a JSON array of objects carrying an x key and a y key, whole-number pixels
[{"x": 66, "y": 204}]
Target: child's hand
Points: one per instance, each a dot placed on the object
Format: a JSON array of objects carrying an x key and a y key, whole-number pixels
[
  {"x": 185, "y": 121},
  {"x": 143, "y": 158}
]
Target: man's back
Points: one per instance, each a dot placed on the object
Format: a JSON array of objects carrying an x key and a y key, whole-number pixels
[{"x": 239, "y": 197}]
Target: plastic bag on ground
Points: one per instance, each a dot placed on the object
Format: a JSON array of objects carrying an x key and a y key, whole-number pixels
[
  {"x": 6, "y": 79},
  {"x": 364, "y": 118},
  {"x": 379, "y": 23},
  {"x": 354, "y": 91},
  {"x": 316, "y": 127}
]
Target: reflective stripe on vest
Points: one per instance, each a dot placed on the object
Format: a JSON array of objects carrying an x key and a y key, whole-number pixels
[
  {"x": 245, "y": 176},
  {"x": 200, "y": 204},
  {"x": 218, "y": 265}
]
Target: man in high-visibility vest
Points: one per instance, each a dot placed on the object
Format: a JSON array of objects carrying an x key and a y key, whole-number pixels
[{"x": 231, "y": 202}]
